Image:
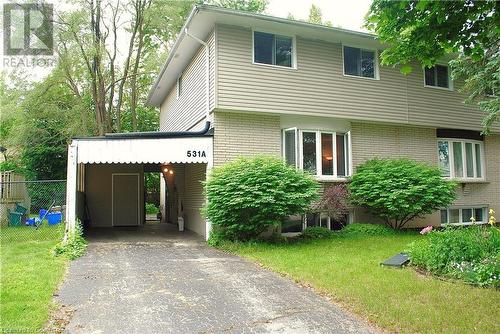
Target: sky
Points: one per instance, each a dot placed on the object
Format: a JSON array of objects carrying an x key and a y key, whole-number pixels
[{"x": 348, "y": 14}]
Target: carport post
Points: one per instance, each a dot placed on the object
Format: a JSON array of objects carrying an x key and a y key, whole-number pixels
[
  {"x": 71, "y": 177},
  {"x": 208, "y": 224}
]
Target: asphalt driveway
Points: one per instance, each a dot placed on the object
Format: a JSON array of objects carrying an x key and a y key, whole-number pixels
[{"x": 155, "y": 283}]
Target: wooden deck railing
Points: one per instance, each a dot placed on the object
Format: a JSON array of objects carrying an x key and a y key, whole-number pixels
[{"x": 12, "y": 187}]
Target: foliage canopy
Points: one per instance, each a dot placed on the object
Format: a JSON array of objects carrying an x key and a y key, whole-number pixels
[{"x": 428, "y": 31}]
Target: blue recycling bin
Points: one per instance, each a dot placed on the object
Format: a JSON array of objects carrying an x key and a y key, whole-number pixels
[
  {"x": 30, "y": 221},
  {"x": 54, "y": 218},
  {"x": 42, "y": 213}
]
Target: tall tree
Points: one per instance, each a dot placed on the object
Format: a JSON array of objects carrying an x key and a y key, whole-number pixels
[
  {"x": 316, "y": 16},
  {"x": 428, "y": 30}
]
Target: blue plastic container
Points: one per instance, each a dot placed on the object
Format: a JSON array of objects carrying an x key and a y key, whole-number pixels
[
  {"x": 30, "y": 222},
  {"x": 41, "y": 213},
  {"x": 54, "y": 217}
]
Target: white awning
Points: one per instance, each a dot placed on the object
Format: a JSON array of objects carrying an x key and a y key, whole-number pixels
[{"x": 147, "y": 150}]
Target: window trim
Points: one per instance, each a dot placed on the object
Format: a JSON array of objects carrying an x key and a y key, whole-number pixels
[
  {"x": 451, "y": 157},
  {"x": 376, "y": 64},
  {"x": 460, "y": 215},
  {"x": 294, "y": 49},
  {"x": 450, "y": 81},
  {"x": 319, "y": 172}
]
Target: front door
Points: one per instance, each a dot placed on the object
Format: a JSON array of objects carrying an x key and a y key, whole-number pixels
[{"x": 126, "y": 200}]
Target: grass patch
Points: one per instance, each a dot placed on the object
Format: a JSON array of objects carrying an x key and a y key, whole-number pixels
[
  {"x": 348, "y": 269},
  {"x": 30, "y": 273}
]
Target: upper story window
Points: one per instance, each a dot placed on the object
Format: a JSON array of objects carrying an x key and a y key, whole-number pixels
[
  {"x": 322, "y": 153},
  {"x": 437, "y": 76},
  {"x": 461, "y": 159},
  {"x": 273, "y": 49},
  {"x": 360, "y": 62},
  {"x": 179, "y": 86}
]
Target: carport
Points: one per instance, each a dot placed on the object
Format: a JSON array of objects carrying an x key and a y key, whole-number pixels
[{"x": 105, "y": 178}]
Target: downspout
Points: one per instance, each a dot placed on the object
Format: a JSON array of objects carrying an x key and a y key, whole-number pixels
[{"x": 207, "y": 71}]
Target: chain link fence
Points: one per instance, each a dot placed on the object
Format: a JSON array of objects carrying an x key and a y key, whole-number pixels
[{"x": 32, "y": 210}]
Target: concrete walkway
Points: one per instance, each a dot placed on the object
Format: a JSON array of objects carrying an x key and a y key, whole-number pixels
[{"x": 156, "y": 280}]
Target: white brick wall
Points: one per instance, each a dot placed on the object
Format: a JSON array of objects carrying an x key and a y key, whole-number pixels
[
  {"x": 389, "y": 141},
  {"x": 240, "y": 134}
]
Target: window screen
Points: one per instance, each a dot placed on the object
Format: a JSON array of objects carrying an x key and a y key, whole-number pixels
[
  {"x": 359, "y": 62},
  {"x": 309, "y": 151},
  {"x": 272, "y": 49},
  {"x": 290, "y": 147},
  {"x": 437, "y": 76},
  {"x": 327, "y": 153}
]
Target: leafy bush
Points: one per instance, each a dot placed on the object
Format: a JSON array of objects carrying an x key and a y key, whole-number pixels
[
  {"x": 317, "y": 232},
  {"x": 469, "y": 253},
  {"x": 365, "y": 229},
  {"x": 75, "y": 245},
  {"x": 215, "y": 239},
  {"x": 151, "y": 209},
  {"x": 399, "y": 190},
  {"x": 334, "y": 202},
  {"x": 249, "y": 195}
]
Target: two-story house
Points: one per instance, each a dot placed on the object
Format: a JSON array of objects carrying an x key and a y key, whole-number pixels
[{"x": 316, "y": 96}]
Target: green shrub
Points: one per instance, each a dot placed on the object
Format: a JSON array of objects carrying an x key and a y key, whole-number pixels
[
  {"x": 365, "y": 229},
  {"x": 74, "y": 246},
  {"x": 399, "y": 190},
  {"x": 249, "y": 195},
  {"x": 215, "y": 239},
  {"x": 317, "y": 232},
  {"x": 151, "y": 209},
  {"x": 469, "y": 253}
]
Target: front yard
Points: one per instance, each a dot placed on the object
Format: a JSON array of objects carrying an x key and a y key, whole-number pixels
[
  {"x": 30, "y": 274},
  {"x": 348, "y": 270}
]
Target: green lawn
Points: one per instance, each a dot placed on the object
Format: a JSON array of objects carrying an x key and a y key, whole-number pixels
[
  {"x": 348, "y": 270},
  {"x": 29, "y": 276}
]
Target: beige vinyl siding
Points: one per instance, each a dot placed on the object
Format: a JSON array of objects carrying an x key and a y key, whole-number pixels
[
  {"x": 318, "y": 87},
  {"x": 180, "y": 114},
  {"x": 430, "y": 106},
  {"x": 98, "y": 190},
  {"x": 212, "y": 68},
  {"x": 194, "y": 198}
]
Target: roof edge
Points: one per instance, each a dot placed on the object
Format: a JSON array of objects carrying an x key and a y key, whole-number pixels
[
  {"x": 284, "y": 20},
  {"x": 171, "y": 54}
]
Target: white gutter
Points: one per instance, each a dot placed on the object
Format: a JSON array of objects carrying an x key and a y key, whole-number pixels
[
  {"x": 207, "y": 71},
  {"x": 171, "y": 54}
]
